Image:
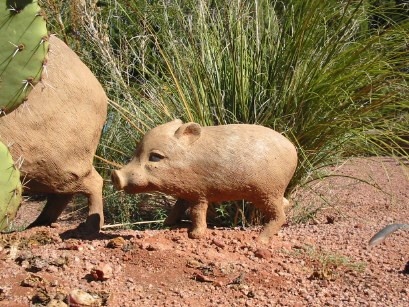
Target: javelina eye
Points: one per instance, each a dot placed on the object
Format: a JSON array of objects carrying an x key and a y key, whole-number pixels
[{"x": 155, "y": 157}]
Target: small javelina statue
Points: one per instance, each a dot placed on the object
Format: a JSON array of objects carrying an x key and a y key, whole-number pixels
[{"x": 202, "y": 165}]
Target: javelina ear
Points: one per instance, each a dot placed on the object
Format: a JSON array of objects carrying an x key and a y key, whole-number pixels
[{"x": 188, "y": 132}]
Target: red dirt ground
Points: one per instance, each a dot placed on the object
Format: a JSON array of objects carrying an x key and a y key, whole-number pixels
[{"x": 325, "y": 262}]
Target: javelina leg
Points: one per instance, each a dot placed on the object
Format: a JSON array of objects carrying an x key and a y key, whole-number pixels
[
  {"x": 273, "y": 210},
  {"x": 198, "y": 212},
  {"x": 92, "y": 188},
  {"x": 176, "y": 213},
  {"x": 56, "y": 203}
]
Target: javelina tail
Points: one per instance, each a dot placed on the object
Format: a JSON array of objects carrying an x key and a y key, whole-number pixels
[{"x": 381, "y": 235}]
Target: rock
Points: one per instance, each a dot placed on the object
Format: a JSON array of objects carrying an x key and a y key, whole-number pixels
[
  {"x": 202, "y": 278},
  {"x": 3, "y": 293},
  {"x": 23, "y": 258},
  {"x": 331, "y": 219},
  {"x": 56, "y": 303},
  {"x": 117, "y": 242},
  {"x": 37, "y": 264},
  {"x": 238, "y": 280},
  {"x": 60, "y": 261},
  {"x": 193, "y": 263},
  {"x": 155, "y": 247},
  {"x": 262, "y": 253},
  {"x": 218, "y": 243},
  {"x": 41, "y": 297},
  {"x": 73, "y": 244},
  {"x": 102, "y": 272},
  {"x": 79, "y": 298},
  {"x": 34, "y": 281}
]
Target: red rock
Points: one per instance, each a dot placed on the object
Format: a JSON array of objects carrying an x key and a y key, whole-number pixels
[
  {"x": 218, "y": 243},
  {"x": 202, "y": 278},
  {"x": 74, "y": 245},
  {"x": 262, "y": 253},
  {"x": 102, "y": 272}
]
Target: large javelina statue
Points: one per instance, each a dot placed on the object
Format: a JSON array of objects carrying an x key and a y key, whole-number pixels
[{"x": 55, "y": 133}]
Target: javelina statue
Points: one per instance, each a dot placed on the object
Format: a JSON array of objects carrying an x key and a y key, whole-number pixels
[
  {"x": 201, "y": 165},
  {"x": 55, "y": 133}
]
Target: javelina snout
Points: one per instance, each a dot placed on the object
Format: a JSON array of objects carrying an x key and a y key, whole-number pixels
[
  {"x": 117, "y": 180},
  {"x": 130, "y": 180}
]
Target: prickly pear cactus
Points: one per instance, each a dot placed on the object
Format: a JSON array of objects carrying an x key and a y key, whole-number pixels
[
  {"x": 10, "y": 187},
  {"x": 23, "y": 50}
]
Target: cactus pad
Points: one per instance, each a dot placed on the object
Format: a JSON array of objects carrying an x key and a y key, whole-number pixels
[
  {"x": 23, "y": 50},
  {"x": 10, "y": 187}
]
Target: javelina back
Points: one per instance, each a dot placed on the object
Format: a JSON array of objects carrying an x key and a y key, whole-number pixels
[{"x": 198, "y": 165}]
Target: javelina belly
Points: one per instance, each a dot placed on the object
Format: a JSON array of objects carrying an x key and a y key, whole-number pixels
[
  {"x": 55, "y": 134},
  {"x": 198, "y": 165}
]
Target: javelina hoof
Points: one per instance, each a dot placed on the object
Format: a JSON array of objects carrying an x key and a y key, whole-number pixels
[
  {"x": 86, "y": 229},
  {"x": 269, "y": 231},
  {"x": 91, "y": 226},
  {"x": 197, "y": 233}
]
